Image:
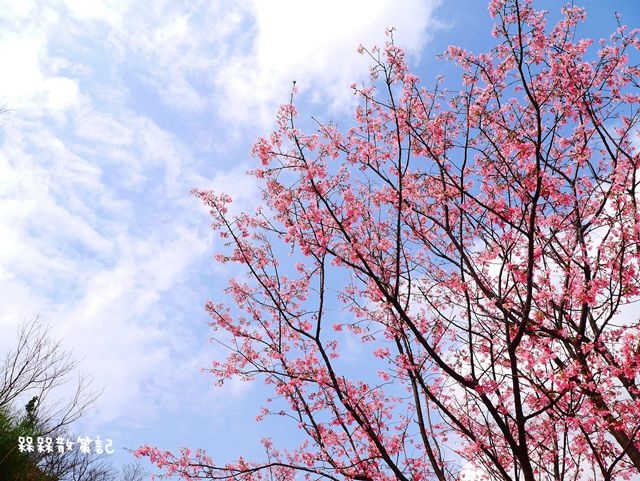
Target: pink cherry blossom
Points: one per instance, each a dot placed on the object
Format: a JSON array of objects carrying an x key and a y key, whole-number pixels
[{"x": 482, "y": 245}]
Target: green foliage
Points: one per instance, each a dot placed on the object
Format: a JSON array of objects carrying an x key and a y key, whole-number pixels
[{"x": 16, "y": 465}]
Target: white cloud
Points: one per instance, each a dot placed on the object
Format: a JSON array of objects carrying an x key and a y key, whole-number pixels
[
  {"x": 108, "y": 11},
  {"x": 249, "y": 52},
  {"x": 61, "y": 93},
  {"x": 177, "y": 49},
  {"x": 20, "y": 58},
  {"x": 105, "y": 270},
  {"x": 314, "y": 44}
]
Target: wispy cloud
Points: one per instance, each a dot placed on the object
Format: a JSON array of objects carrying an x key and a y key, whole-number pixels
[
  {"x": 99, "y": 233},
  {"x": 240, "y": 58}
]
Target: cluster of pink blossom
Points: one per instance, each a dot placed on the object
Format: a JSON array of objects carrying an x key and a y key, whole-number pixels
[{"x": 482, "y": 244}]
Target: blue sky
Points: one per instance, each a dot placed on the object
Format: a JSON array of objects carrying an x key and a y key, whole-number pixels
[{"x": 117, "y": 109}]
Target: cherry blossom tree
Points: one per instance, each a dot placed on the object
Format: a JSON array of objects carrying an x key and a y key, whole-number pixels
[{"x": 483, "y": 245}]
